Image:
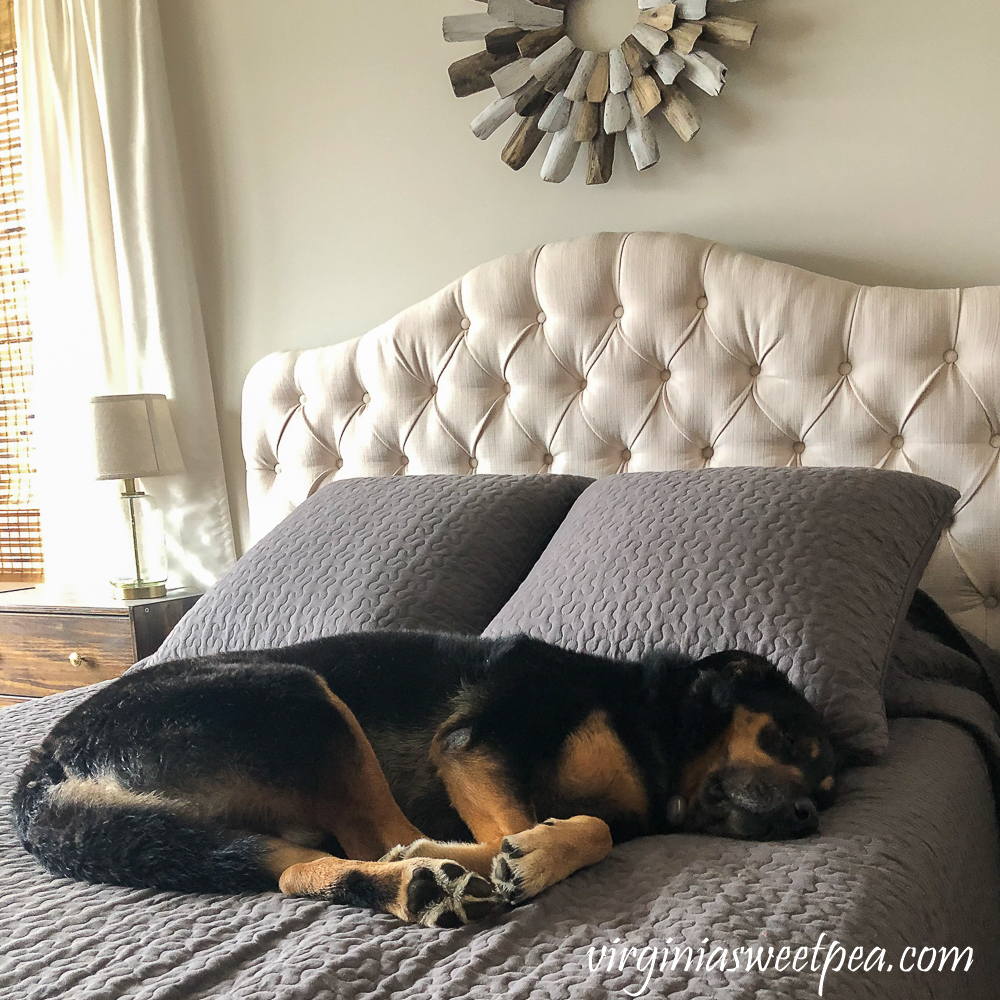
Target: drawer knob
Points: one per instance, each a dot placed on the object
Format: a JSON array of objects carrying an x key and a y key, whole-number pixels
[{"x": 76, "y": 660}]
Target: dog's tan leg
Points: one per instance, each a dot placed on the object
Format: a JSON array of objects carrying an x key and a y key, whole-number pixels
[
  {"x": 522, "y": 856},
  {"x": 354, "y": 802},
  {"x": 432, "y": 892}
]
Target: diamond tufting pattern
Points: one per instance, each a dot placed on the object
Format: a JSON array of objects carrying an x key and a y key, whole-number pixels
[{"x": 647, "y": 352}]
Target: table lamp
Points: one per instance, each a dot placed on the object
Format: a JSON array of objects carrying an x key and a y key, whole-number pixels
[{"x": 134, "y": 438}]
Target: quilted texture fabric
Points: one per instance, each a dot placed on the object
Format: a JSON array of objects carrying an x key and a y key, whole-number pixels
[
  {"x": 421, "y": 552},
  {"x": 654, "y": 351},
  {"x": 891, "y": 868},
  {"x": 812, "y": 568}
]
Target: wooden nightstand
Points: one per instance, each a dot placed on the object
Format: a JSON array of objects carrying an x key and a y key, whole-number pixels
[{"x": 53, "y": 640}]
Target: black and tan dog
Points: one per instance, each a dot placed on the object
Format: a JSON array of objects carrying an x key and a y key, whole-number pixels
[{"x": 408, "y": 772}]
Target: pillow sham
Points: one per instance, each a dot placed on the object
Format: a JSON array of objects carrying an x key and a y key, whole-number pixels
[
  {"x": 407, "y": 552},
  {"x": 813, "y": 568}
]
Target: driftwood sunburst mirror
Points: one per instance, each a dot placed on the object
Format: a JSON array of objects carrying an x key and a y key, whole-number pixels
[{"x": 550, "y": 85}]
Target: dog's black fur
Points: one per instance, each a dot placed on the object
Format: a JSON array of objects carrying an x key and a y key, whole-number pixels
[{"x": 178, "y": 730}]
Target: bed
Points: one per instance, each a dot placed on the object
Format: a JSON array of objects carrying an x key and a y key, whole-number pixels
[{"x": 606, "y": 355}]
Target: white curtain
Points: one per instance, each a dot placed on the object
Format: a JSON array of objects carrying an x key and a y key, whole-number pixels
[{"x": 114, "y": 305}]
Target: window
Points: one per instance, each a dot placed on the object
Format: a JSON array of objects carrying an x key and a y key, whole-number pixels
[{"x": 20, "y": 529}]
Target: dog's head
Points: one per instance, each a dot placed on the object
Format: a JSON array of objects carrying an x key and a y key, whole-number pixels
[{"x": 759, "y": 764}]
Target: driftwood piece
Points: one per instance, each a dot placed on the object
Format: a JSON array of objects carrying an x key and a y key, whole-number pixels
[
  {"x": 536, "y": 42},
  {"x": 512, "y": 77},
  {"x": 503, "y": 41},
  {"x": 600, "y": 82},
  {"x": 650, "y": 38},
  {"x": 689, "y": 10},
  {"x": 620, "y": 75},
  {"x": 660, "y": 17},
  {"x": 705, "y": 71},
  {"x": 616, "y": 113},
  {"x": 681, "y": 113},
  {"x": 561, "y": 78},
  {"x": 522, "y": 143},
  {"x": 475, "y": 73},
  {"x": 644, "y": 94},
  {"x": 731, "y": 32},
  {"x": 668, "y": 66},
  {"x": 685, "y": 35},
  {"x": 548, "y": 63},
  {"x": 556, "y": 115},
  {"x": 562, "y": 153},
  {"x": 577, "y": 89},
  {"x": 526, "y": 14},
  {"x": 589, "y": 122},
  {"x": 469, "y": 27},
  {"x": 600, "y": 158},
  {"x": 637, "y": 56},
  {"x": 640, "y": 136},
  {"x": 532, "y": 99},
  {"x": 492, "y": 117}
]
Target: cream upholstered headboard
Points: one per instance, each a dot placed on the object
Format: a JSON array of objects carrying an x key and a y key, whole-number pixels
[{"x": 618, "y": 353}]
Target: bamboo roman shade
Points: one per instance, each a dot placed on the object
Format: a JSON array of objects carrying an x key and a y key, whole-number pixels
[{"x": 20, "y": 532}]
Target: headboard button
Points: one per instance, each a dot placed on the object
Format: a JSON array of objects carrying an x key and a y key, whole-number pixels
[
  {"x": 473, "y": 464},
  {"x": 665, "y": 375},
  {"x": 466, "y": 323},
  {"x": 339, "y": 463},
  {"x": 366, "y": 399},
  {"x": 541, "y": 317},
  {"x": 302, "y": 399},
  {"x": 991, "y": 602},
  {"x": 626, "y": 455},
  {"x": 846, "y": 368},
  {"x": 547, "y": 459},
  {"x": 950, "y": 357},
  {"x": 619, "y": 312},
  {"x": 755, "y": 370},
  {"x": 702, "y": 303},
  {"x": 897, "y": 442},
  {"x": 707, "y": 452},
  {"x": 799, "y": 447}
]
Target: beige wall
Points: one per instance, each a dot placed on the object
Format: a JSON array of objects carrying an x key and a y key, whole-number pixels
[{"x": 332, "y": 179}]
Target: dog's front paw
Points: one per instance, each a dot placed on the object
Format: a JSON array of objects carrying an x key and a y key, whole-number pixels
[
  {"x": 531, "y": 861},
  {"x": 418, "y": 849}
]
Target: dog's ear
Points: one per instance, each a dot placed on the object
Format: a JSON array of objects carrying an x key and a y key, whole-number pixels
[
  {"x": 720, "y": 675},
  {"x": 713, "y": 686}
]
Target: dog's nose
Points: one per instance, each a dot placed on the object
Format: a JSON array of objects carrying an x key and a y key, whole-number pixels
[{"x": 805, "y": 817}]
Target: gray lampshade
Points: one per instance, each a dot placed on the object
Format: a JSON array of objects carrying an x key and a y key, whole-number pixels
[{"x": 134, "y": 436}]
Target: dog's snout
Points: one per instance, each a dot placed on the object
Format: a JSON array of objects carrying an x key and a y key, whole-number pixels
[{"x": 805, "y": 816}]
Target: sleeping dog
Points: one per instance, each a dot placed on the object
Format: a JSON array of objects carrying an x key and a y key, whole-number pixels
[{"x": 408, "y": 772}]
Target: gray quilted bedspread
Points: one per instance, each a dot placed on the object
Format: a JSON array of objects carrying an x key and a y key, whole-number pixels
[{"x": 908, "y": 858}]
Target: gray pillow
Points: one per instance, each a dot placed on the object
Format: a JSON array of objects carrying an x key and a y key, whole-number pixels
[
  {"x": 814, "y": 568},
  {"x": 409, "y": 552}
]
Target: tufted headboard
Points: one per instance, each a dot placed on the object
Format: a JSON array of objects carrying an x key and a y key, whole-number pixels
[{"x": 625, "y": 353}]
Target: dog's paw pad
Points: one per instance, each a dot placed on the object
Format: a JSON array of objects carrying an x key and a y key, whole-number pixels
[{"x": 447, "y": 895}]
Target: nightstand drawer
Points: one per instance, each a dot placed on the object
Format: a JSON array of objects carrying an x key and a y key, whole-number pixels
[{"x": 42, "y": 653}]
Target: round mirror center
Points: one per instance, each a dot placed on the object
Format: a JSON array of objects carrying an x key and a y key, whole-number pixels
[{"x": 600, "y": 25}]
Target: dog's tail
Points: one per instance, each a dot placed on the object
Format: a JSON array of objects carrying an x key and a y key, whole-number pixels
[{"x": 129, "y": 842}]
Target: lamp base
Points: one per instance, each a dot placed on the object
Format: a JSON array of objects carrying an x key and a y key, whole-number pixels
[{"x": 138, "y": 590}]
